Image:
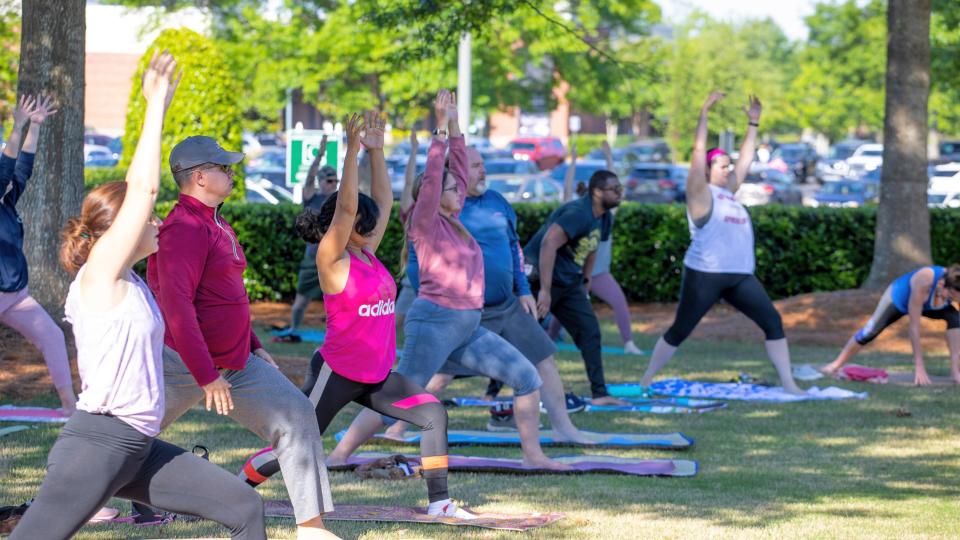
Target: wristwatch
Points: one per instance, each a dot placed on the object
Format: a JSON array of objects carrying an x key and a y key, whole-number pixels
[{"x": 440, "y": 132}]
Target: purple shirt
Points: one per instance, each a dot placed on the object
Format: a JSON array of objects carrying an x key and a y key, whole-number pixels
[{"x": 119, "y": 356}]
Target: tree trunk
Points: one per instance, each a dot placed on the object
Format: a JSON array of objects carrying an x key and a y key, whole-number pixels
[
  {"x": 51, "y": 62},
  {"x": 641, "y": 123},
  {"x": 903, "y": 221}
]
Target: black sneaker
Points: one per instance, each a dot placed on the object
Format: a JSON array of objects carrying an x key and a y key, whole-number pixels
[{"x": 575, "y": 403}]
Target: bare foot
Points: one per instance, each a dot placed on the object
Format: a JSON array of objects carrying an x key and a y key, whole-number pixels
[
  {"x": 574, "y": 435},
  {"x": 335, "y": 461},
  {"x": 956, "y": 377},
  {"x": 396, "y": 431},
  {"x": 313, "y": 533},
  {"x": 543, "y": 462},
  {"x": 794, "y": 390},
  {"x": 609, "y": 400}
]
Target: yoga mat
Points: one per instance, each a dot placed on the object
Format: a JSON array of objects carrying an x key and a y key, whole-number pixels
[
  {"x": 313, "y": 335},
  {"x": 664, "y": 404},
  {"x": 12, "y": 429},
  {"x": 735, "y": 391},
  {"x": 659, "y": 441},
  {"x": 580, "y": 465},
  {"x": 406, "y": 514},
  {"x": 570, "y": 347},
  {"x": 13, "y": 413}
]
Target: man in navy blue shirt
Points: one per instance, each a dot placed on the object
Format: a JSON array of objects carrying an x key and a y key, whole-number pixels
[{"x": 509, "y": 308}]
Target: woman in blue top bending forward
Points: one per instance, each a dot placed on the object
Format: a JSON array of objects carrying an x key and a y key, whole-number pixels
[{"x": 928, "y": 291}]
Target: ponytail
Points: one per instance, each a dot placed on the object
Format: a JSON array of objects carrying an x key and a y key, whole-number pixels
[{"x": 79, "y": 234}]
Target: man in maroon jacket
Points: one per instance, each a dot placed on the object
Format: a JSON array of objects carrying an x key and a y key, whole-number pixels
[{"x": 210, "y": 348}]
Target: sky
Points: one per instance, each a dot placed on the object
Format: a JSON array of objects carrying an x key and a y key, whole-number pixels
[{"x": 788, "y": 14}]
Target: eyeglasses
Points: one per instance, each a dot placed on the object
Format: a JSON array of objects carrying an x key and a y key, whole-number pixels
[
  {"x": 454, "y": 188},
  {"x": 618, "y": 188},
  {"x": 225, "y": 169}
]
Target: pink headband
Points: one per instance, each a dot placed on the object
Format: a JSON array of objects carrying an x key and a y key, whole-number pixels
[{"x": 714, "y": 153}]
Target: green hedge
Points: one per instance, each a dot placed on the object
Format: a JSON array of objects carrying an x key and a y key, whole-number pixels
[
  {"x": 799, "y": 250},
  {"x": 94, "y": 176}
]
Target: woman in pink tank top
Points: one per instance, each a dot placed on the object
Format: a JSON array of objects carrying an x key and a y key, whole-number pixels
[{"x": 359, "y": 296}]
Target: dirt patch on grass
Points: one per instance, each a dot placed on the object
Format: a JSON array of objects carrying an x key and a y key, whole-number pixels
[{"x": 819, "y": 319}]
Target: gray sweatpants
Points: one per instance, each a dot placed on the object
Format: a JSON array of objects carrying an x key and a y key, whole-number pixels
[{"x": 268, "y": 404}]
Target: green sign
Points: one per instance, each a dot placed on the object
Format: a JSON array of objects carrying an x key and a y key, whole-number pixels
[{"x": 302, "y": 148}]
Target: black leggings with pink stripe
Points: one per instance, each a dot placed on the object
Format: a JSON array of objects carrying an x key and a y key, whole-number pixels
[{"x": 396, "y": 396}]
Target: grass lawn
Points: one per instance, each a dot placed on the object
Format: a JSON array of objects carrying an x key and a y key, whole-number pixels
[{"x": 850, "y": 469}]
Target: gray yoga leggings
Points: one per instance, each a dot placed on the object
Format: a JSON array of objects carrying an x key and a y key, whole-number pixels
[{"x": 97, "y": 457}]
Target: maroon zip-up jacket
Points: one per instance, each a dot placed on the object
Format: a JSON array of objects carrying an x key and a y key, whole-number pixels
[{"x": 197, "y": 278}]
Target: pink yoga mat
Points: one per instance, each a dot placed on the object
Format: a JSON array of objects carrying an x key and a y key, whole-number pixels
[
  {"x": 404, "y": 514},
  {"x": 13, "y": 413}
]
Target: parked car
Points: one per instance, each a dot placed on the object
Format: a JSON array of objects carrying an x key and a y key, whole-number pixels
[
  {"x": 397, "y": 170},
  {"x": 651, "y": 151},
  {"x": 262, "y": 190},
  {"x": 949, "y": 151},
  {"x": 510, "y": 167},
  {"x": 948, "y": 172},
  {"x": 269, "y": 157},
  {"x": 847, "y": 194},
  {"x": 834, "y": 165},
  {"x": 527, "y": 188},
  {"x": 655, "y": 183},
  {"x": 401, "y": 151},
  {"x": 768, "y": 185},
  {"x": 865, "y": 159},
  {"x": 585, "y": 169},
  {"x": 275, "y": 175},
  {"x": 546, "y": 152},
  {"x": 946, "y": 199},
  {"x": 798, "y": 158},
  {"x": 95, "y": 155}
]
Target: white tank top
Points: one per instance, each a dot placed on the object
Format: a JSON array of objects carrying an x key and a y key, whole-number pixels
[
  {"x": 119, "y": 356},
  {"x": 725, "y": 243}
]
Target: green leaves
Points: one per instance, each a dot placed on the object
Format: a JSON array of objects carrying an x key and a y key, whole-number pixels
[{"x": 205, "y": 104}]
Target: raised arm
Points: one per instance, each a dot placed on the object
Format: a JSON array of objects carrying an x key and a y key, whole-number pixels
[
  {"x": 409, "y": 175},
  {"x": 607, "y": 155},
  {"x": 310, "y": 186},
  {"x": 458, "y": 152},
  {"x": 427, "y": 208},
  {"x": 26, "y": 106},
  {"x": 334, "y": 240},
  {"x": 380, "y": 186},
  {"x": 118, "y": 248},
  {"x": 748, "y": 150},
  {"x": 920, "y": 285},
  {"x": 23, "y": 169},
  {"x": 698, "y": 194},
  {"x": 568, "y": 178}
]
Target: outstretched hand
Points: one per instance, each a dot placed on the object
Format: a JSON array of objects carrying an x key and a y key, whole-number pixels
[
  {"x": 712, "y": 99},
  {"x": 158, "y": 82},
  {"x": 43, "y": 109},
  {"x": 414, "y": 143},
  {"x": 26, "y": 106},
  {"x": 441, "y": 107},
  {"x": 372, "y": 138},
  {"x": 352, "y": 128},
  {"x": 753, "y": 109}
]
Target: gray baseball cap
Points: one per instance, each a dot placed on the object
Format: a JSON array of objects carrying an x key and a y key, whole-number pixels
[{"x": 198, "y": 150}]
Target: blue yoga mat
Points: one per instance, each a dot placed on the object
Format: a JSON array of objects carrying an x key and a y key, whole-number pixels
[{"x": 659, "y": 441}]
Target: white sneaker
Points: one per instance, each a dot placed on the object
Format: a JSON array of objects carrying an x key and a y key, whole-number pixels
[
  {"x": 806, "y": 372},
  {"x": 449, "y": 508},
  {"x": 631, "y": 348}
]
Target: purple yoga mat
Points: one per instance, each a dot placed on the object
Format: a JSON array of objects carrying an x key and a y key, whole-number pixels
[{"x": 579, "y": 465}]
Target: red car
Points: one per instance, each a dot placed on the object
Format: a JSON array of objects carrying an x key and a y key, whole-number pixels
[{"x": 546, "y": 152}]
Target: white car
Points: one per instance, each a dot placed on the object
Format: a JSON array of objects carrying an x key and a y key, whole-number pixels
[
  {"x": 943, "y": 199},
  {"x": 949, "y": 172},
  {"x": 261, "y": 190},
  {"x": 867, "y": 158}
]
